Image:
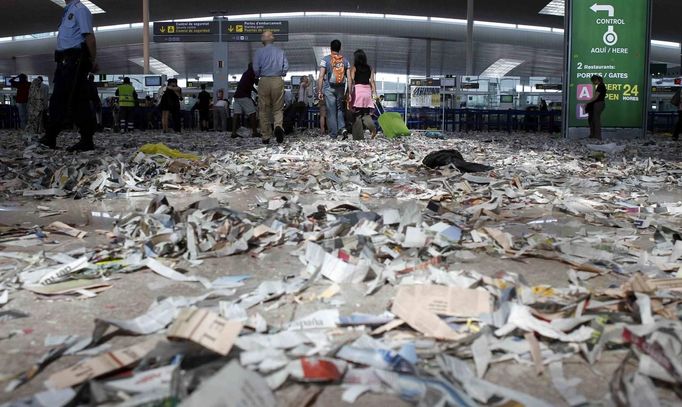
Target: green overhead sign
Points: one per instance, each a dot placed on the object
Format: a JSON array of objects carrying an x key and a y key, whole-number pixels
[{"x": 609, "y": 38}]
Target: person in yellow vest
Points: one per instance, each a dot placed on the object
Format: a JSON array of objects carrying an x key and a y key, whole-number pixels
[{"x": 127, "y": 100}]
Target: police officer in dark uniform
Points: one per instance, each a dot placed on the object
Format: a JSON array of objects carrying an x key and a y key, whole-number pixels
[{"x": 75, "y": 57}]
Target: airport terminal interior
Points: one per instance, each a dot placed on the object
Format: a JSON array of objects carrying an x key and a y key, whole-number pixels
[{"x": 295, "y": 203}]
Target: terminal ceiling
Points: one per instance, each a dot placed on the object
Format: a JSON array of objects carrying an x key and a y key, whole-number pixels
[
  {"x": 33, "y": 16},
  {"x": 389, "y": 50}
]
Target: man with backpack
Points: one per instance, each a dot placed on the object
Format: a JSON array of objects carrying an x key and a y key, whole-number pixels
[
  {"x": 678, "y": 103},
  {"x": 333, "y": 85}
]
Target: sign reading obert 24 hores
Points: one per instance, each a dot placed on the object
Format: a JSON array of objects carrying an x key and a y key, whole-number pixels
[{"x": 608, "y": 38}]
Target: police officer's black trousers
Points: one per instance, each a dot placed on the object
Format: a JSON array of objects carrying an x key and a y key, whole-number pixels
[{"x": 70, "y": 102}]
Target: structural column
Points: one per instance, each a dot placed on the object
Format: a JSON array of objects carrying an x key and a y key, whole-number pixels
[
  {"x": 145, "y": 34},
  {"x": 428, "y": 58},
  {"x": 220, "y": 73},
  {"x": 470, "y": 38}
]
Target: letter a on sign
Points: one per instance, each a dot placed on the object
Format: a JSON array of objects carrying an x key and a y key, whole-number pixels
[{"x": 584, "y": 92}]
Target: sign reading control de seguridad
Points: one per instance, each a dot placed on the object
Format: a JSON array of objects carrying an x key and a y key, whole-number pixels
[
  {"x": 209, "y": 31},
  {"x": 195, "y": 31},
  {"x": 608, "y": 38}
]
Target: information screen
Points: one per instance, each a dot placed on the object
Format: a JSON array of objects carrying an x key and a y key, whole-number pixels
[
  {"x": 609, "y": 38},
  {"x": 507, "y": 99},
  {"x": 391, "y": 97},
  {"x": 152, "y": 81}
]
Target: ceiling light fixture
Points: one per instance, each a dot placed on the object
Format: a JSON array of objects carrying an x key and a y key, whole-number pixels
[
  {"x": 94, "y": 8},
  {"x": 554, "y": 8},
  {"x": 362, "y": 15},
  {"x": 403, "y": 17},
  {"x": 282, "y": 15},
  {"x": 532, "y": 28},
  {"x": 500, "y": 68},
  {"x": 448, "y": 20},
  {"x": 243, "y": 17},
  {"x": 666, "y": 44},
  {"x": 155, "y": 66},
  {"x": 494, "y": 24},
  {"x": 321, "y": 13}
]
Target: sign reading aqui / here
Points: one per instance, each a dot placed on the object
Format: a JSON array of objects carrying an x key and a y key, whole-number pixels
[
  {"x": 210, "y": 31},
  {"x": 250, "y": 31},
  {"x": 608, "y": 38}
]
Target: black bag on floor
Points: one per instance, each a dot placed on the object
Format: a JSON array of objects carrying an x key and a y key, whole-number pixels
[{"x": 444, "y": 158}]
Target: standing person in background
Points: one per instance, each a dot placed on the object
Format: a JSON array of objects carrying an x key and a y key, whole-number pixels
[
  {"x": 204, "y": 106},
  {"x": 270, "y": 65},
  {"x": 22, "y": 85},
  {"x": 364, "y": 91},
  {"x": 170, "y": 105},
  {"x": 595, "y": 107},
  {"x": 176, "y": 107},
  {"x": 148, "y": 113},
  {"x": 37, "y": 104},
  {"x": 677, "y": 103},
  {"x": 543, "y": 105},
  {"x": 302, "y": 103},
  {"x": 163, "y": 107},
  {"x": 323, "y": 114},
  {"x": 95, "y": 101},
  {"x": 333, "y": 85},
  {"x": 115, "y": 114},
  {"x": 75, "y": 57},
  {"x": 243, "y": 102},
  {"x": 46, "y": 96},
  {"x": 220, "y": 107},
  {"x": 127, "y": 99}
]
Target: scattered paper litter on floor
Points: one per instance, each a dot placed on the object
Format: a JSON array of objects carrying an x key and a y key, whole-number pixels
[{"x": 403, "y": 281}]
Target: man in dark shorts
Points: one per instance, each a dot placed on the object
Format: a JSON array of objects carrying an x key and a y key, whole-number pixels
[{"x": 243, "y": 103}]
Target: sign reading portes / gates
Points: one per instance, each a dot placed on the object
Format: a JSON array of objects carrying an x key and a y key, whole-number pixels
[
  {"x": 609, "y": 38},
  {"x": 196, "y": 31},
  {"x": 250, "y": 31}
]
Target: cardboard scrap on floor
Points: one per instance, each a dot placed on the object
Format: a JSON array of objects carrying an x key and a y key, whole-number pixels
[{"x": 207, "y": 329}]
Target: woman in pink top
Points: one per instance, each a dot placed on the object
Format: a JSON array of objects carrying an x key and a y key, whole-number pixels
[{"x": 364, "y": 90}]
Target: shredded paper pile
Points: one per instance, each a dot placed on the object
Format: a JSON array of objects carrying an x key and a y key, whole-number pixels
[{"x": 508, "y": 270}]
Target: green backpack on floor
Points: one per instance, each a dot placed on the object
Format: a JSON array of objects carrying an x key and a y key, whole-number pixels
[{"x": 393, "y": 125}]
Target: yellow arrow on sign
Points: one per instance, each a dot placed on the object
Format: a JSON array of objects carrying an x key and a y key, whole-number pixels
[
  {"x": 230, "y": 29},
  {"x": 162, "y": 29}
]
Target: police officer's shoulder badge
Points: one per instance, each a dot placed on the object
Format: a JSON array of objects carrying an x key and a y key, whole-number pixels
[{"x": 71, "y": 16}]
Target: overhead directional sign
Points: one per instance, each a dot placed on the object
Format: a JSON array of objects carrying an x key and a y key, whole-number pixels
[
  {"x": 609, "y": 38},
  {"x": 549, "y": 86},
  {"x": 196, "y": 31},
  {"x": 250, "y": 31},
  {"x": 432, "y": 82}
]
